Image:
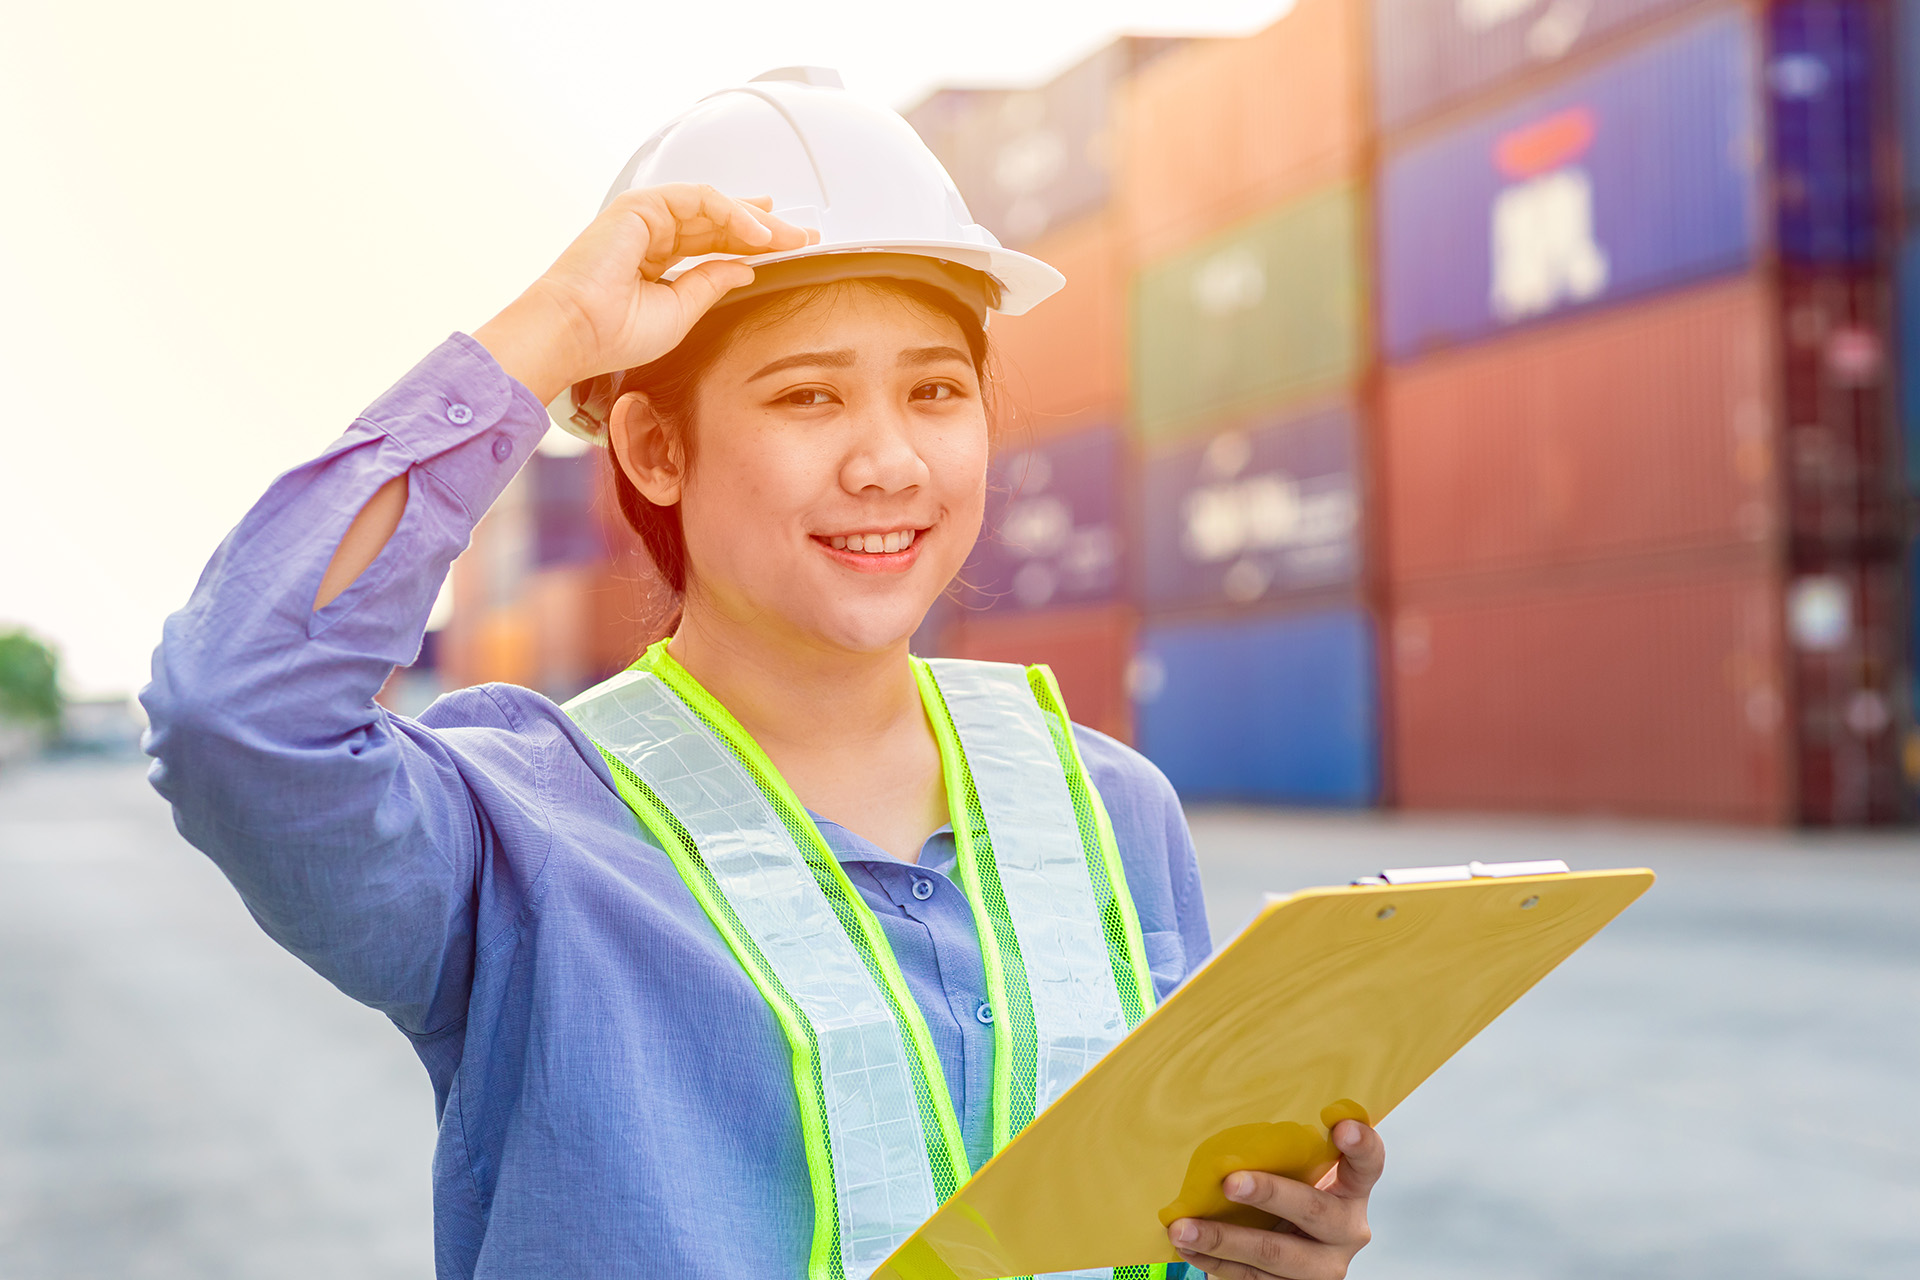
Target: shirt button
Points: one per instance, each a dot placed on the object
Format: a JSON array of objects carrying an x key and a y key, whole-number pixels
[
  {"x": 923, "y": 889},
  {"x": 984, "y": 1015},
  {"x": 502, "y": 448},
  {"x": 459, "y": 415}
]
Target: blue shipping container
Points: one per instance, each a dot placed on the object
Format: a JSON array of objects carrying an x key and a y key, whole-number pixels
[
  {"x": 561, "y": 490},
  {"x": 1429, "y": 53},
  {"x": 1635, "y": 177},
  {"x": 1906, "y": 81},
  {"x": 1251, "y": 515},
  {"x": 1280, "y": 709},
  {"x": 1052, "y": 534},
  {"x": 1820, "y": 64}
]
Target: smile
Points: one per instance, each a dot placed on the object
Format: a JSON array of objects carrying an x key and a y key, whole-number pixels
[{"x": 878, "y": 550}]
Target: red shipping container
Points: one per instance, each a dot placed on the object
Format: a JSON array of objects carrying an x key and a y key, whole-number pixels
[
  {"x": 1088, "y": 649},
  {"x": 1648, "y": 428},
  {"x": 1215, "y": 131},
  {"x": 1656, "y": 694},
  {"x": 1063, "y": 364},
  {"x": 1847, "y": 626},
  {"x": 1843, "y": 448}
]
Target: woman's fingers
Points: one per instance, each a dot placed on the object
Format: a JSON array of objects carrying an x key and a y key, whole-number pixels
[
  {"x": 699, "y": 287},
  {"x": 684, "y": 220},
  {"x": 1362, "y": 1157},
  {"x": 1247, "y": 1253}
]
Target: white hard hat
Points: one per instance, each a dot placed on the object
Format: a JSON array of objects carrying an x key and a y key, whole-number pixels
[{"x": 853, "y": 170}]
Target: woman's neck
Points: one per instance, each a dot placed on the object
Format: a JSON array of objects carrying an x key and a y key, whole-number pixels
[{"x": 845, "y": 729}]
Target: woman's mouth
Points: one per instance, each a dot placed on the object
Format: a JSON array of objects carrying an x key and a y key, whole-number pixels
[{"x": 872, "y": 550}]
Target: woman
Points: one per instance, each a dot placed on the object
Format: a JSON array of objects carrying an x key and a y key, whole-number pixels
[{"x": 737, "y": 964}]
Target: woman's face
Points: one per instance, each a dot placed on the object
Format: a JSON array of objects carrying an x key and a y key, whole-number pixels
[{"x": 839, "y": 470}]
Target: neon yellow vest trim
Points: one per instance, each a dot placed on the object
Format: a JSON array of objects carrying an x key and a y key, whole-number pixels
[{"x": 1066, "y": 970}]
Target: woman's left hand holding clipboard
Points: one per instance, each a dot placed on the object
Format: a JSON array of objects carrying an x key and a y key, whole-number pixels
[{"x": 1321, "y": 1227}]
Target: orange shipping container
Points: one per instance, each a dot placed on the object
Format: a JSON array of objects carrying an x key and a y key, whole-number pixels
[
  {"x": 1638, "y": 430},
  {"x": 1661, "y": 694},
  {"x": 1063, "y": 365},
  {"x": 1088, "y": 649},
  {"x": 1218, "y": 130}
]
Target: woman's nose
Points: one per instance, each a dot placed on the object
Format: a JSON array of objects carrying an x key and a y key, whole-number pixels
[{"x": 883, "y": 453}]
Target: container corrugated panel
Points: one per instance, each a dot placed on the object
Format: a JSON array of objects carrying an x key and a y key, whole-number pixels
[
  {"x": 1634, "y": 177},
  {"x": 1088, "y": 649},
  {"x": 1214, "y": 132},
  {"x": 1053, "y": 531},
  {"x": 1844, "y": 488},
  {"x": 1906, "y": 80},
  {"x": 1660, "y": 697},
  {"x": 1264, "y": 312},
  {"x": 1847, "y": 621},
  {"x": 1429, "y": 54},
  {"x": 1280, "y": 709},
  {"x": 1063, "y": 364},
  {"x": 1030, "y": 160},
  {"x": 562, "y": 492},
  {"x": 1820, "y": 78},
  {"x": 1909, "y": 359},
  {"x": 1649, "y": 427},
  {"x": 1251, "y": 515}
]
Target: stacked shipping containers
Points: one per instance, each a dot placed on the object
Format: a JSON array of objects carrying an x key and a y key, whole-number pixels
[
  {"x": 1641, "y": 526},
  {"x": 553, "y": 593},
  {"x": 1906, "y": 106},
  {"x": 1244, "y": 168},
  {"x": 1048, "y": 582}
]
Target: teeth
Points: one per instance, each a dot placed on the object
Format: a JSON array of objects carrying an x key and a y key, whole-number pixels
[{"x": 873, "y": 543}]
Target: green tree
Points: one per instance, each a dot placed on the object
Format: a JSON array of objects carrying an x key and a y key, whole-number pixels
[{"x": 29, "y": 680}]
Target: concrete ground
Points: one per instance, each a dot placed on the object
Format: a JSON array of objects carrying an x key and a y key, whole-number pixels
[{"x": 1723, "y": 1084}]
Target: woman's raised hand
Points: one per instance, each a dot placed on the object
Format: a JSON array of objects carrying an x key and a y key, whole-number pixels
[{"x": 602, "y": 305}]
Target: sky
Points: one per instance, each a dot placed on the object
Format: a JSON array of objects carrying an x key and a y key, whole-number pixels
[{"x": 230, "y": 226}]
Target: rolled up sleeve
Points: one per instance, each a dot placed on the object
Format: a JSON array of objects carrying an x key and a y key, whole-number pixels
[{"x": 352, "y": 834}]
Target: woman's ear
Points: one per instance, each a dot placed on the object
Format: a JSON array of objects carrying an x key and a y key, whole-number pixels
[{"x": 647, "y": 449}]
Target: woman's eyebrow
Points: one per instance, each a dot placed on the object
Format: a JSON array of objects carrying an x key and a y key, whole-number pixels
[
  {"x": 817, "y": 359},
  {"x": 933, "y": 355}
]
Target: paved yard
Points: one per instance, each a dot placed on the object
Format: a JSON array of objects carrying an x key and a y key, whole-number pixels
[{"x": 1722, "y": 1085}]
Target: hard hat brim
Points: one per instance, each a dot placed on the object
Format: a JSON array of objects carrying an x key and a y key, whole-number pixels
[{"x": 1024, "y": 282}]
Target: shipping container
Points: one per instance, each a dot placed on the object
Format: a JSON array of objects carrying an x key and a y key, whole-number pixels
[
  {"x": 1063, "y": 364},
  {"x": 1908, "y": 365},
  {"x": 1823, "y": 82},
  {"x": 1644, "y": 428},
  {"x": 1845, "y": 490},
  {"x": 1847, "y": 624},
  {"x": 1275, "y": 709},
  {"x": 1053, "y": 531},
  {"x": 1634, "y": 177},
  {"x": 1269, "y": 311},
  {"x": 1211, "y": 133},
  {"x": 1028, "y": 161},
  {"x": 563, "y": 493},
  {"x": 1645, "y": 694},
  {"x": 1906, "y": 80},
  {"x": 1252, "y": 515},
  {"x": 1430, "y": 54},
  {"x": 1089, "y": 650}
]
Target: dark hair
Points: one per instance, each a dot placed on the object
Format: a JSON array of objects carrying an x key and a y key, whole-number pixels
[{"x": 670, "y": 382}]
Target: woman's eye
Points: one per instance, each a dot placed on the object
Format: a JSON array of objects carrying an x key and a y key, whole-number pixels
[
  {"x": 934, "y": 391},
  {"x": 808, "y": 396}
]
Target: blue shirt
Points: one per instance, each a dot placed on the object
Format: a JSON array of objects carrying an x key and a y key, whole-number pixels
[{"x": 614, "y": 1096}]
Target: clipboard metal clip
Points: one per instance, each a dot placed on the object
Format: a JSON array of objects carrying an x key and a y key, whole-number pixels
[{"x": 1469, "y": 871}]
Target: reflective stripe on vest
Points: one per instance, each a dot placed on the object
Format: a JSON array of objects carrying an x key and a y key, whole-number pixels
[{"x": 1067, "y": 973}]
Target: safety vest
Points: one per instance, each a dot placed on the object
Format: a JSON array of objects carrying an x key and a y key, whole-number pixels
[{"x": 1065, "y": 966}]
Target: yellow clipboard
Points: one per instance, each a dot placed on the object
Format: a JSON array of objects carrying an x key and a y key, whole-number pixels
[{"x": 1333, "y": 1004}]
